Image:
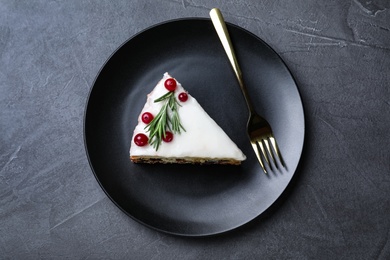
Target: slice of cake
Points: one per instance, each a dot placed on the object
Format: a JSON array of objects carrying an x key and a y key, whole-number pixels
[{"x": 174, "y": 128}]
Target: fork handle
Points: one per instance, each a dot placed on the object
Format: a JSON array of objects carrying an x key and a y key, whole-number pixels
[{"x": 223, "y": 34}]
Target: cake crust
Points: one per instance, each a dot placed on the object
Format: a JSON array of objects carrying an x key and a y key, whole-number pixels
[{"x": 183, "y": 160}]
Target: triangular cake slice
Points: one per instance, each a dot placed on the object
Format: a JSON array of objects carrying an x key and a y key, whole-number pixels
[{"x": 174, "y": 128}]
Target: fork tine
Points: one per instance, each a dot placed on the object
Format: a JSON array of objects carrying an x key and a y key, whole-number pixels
[
  {"x": 264, "y": 145},
  {"x": 261, "y": 145},
  {"x": 270, "y": 152},
  {"x": 257, "y": 150},
  {"x": 276, "y": 148}
]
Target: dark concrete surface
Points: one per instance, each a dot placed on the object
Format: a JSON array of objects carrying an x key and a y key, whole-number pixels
[{"x": 51, "y": 206}]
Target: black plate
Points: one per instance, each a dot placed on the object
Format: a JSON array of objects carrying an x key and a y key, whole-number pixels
[{"x": 186, "y": 199}]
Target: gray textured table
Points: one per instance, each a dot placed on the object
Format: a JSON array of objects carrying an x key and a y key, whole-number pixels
[{"x": 51, "y": 206}]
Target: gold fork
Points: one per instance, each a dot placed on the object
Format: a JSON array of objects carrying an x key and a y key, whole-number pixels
[{"x": 259, "y": 130}]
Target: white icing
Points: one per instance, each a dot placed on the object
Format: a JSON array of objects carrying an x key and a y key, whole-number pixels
[{"x": 203, "y": 137}]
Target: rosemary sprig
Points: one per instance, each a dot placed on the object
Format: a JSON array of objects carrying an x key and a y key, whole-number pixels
[{"x": 166, "y": 119}]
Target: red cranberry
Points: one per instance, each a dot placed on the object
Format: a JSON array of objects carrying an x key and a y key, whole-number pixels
[
  {"x": 183, "y": 97},
  {"x": 168, "y": 137},
  {"x": 170, "y": 84},
  {"x": 141, "y": 139},
  {"x": 147, "y": 117}
]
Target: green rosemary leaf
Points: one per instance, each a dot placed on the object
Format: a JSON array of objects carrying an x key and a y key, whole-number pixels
[{"x": 163, "y": 97}]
